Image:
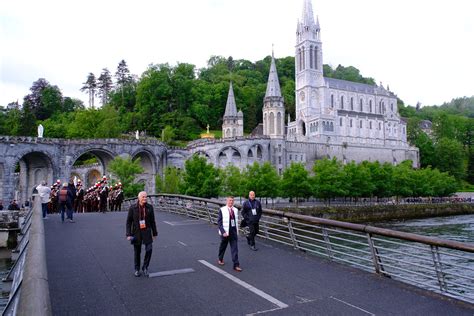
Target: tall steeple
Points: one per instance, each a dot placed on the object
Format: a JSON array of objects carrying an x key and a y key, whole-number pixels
[
  {"x": 273, "y": 106},
  {"x": 309, "y": 66},
  {"x": 233, "y": 125},
  {"x": 273, "y": 85},
  {"x": 231, "y": 107}
]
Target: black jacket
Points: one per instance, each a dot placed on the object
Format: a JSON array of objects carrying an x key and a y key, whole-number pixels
[
  {"x": 247, "y": 211},
  {"x": 133, "y": 224}
]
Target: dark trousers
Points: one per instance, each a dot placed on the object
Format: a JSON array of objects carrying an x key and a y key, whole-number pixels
[
  {"x": 138, "y": 251},
  {"x": 232, "y": 239},
  {"x": 44, "y": 208},
  {"x": 253, "y": 231}
]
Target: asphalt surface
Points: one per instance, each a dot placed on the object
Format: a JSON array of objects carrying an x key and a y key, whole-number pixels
[{"x": 90, "y": 271}]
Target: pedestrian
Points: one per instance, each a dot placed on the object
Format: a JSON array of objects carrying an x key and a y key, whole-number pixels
[
  {"x": 228, "y": 223},
  {"x": 251, "y": 212},
  {"x": 141, "y": 229},
  {"x": 65, "y": 198},
  {"x": 1, "y": 205},
  {"x": 13, "y": 206},
  {"x": 44, "y": 192}
]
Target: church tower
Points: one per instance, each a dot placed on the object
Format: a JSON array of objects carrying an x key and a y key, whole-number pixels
[
  {"x": 309, "y": 67},
  {"x": 233, "y": 125},
  {"x": 273, "y": 106}
]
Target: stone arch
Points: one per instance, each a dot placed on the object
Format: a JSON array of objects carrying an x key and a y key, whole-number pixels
[
  {"x": 148, "y": 162},
  {"x": 104, "y": 156},
  {"x": 35, "y": 166},
  {"x": 229, "y": 156}
]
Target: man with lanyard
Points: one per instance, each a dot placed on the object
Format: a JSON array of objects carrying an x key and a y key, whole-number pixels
[
  {"x": 141, "y": 229},
  {"x": 228, "y": 230},
  {"x": 251, "y": 212}
]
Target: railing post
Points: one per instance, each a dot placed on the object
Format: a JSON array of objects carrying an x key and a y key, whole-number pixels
[
  {"x": 439, "y": 272},
  {"x": 209, "y": 213},
  {"x": 327, "y": 242},
  {"x": 375, "y": 256},
  {"x": 292, "y": 233}
]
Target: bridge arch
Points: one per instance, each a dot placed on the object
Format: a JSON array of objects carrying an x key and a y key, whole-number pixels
[
  {"x": 148, "y": 162},
  {"x": 229, "y": 156},
  {"x": 34, "y": 167},
  {"x": 104, "y": 156}
]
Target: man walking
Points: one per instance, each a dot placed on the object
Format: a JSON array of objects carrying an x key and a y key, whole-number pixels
[
  {"x": 251, "y": 212},
  {"x": 44, "y": 193},
  {"x": 141, "y": 229},
  {"x": 228, "y": 222}
]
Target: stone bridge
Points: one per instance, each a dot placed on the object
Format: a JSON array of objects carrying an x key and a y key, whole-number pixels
[{"x": 26, "y": 161}]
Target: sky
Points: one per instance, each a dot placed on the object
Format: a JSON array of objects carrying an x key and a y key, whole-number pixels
[{"x": 423, "y": 49}]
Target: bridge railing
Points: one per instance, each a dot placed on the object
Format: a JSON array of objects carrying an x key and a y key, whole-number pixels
[
  {"x": 29, "y": 293},
  {"x": 439, "y": 265}
]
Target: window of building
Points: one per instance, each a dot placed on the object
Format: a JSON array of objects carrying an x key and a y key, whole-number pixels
[
  {"x": 279, "y": 171},
  {"x": 370, "y": 124},
  {"x": 290, "y": 157},
  {"x": 311, "y": 57},
  {"x": 303, "y": 58},
  {"x": 340, "y": 121},
  {"x": 370, "y": 108},
  {"x": 370, "y": 104},
  {"x": 332, "y": 100},
  {"x": 342, "y": 102},
  {"x": 380, "y": 126},
  {"x": 351, "y": 123},
  {"x": 391, "y": 107},
  {"x": 279, "y": 160},
  {"x": 360, "y": 124},
  {"x": 316, "y": 57},
  {"x": 352, "y": 104},
  {"x": 279, "y": 148},
  {"x": 361, "y": 106}
]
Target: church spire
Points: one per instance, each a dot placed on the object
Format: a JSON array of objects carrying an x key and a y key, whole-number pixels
[
  {"x": 273, "y": 85},
  {"x": 231, "y": 107},
  {"x": 308, "y": 17}
]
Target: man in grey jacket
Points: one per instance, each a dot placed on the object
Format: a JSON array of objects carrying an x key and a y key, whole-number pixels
[{"x": 44, "y": 192}]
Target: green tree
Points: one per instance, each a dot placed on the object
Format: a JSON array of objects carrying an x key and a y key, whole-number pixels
[
  {"x": 232, "y": 181},
  {"x": 104, "y": 85},
  {"x": 268, "y": 181},
  {"x": 329, "y": 179},
  {"x": 200, "y": 178},
  {"x": 170, "y": 182},
  {"x": 295, "y": 182},
  {"x": 359, "y": 180},
  {"x": 402, "y": 180},
  {"x": 125, "y": 170},
  {"x": 450, "y": 157},
  {"x": 90, "y": 87}
]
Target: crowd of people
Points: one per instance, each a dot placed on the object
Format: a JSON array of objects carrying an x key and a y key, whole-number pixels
[{"x": 68, "y": 198}]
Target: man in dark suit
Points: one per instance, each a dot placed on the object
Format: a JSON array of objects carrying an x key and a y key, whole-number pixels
[
  {"x": 141, "y": 229},
  {"x": 251, "y": 212},
  {"x": 228, "y": 223}
]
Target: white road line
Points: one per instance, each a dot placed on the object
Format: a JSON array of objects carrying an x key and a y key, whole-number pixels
[
  {"x": 245, "y": 285},
  {"x": 349, "y": 304},
  {"x": 182, "y": 243}
]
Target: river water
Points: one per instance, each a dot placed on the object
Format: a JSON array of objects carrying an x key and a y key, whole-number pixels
[{"x": 457, "y": 228}]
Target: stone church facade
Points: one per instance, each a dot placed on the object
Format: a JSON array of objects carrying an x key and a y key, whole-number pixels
[{"x": 334, "y": 118}]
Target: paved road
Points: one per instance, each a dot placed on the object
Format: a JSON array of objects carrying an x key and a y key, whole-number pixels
[{"x": 90, "y": 268}]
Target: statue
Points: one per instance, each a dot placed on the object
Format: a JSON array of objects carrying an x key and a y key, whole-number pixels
[
  {"x": 40, "y": 131},
  {"x": 137, "y": 135},
  {"x": 208, "y": 128}
]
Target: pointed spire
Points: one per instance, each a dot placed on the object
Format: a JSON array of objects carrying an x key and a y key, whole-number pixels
[
  {"x": 231, "y": 107},
  {"x": 273, "y": 85},
  {"x": 308, "y": 17}
]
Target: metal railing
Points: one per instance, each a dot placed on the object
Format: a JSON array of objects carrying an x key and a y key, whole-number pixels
[
  {"x": 435, "y": 264},
  {"x": 29, "y": 293}
]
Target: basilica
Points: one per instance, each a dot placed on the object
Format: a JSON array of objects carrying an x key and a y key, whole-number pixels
[{"x": 334, "y": 118}]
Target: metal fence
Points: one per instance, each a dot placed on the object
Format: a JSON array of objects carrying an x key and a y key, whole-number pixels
[{"x": 442, "y": 266}]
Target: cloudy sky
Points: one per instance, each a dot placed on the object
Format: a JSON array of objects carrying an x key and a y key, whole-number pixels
[{"x": 423, "y": 49}]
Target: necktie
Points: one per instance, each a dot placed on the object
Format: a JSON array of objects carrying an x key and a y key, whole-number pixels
[{"x": 231, "y": 212}]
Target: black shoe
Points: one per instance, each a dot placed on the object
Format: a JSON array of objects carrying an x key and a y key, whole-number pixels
[
  {"x": 137, "y": 273},
  {"x": 145, "y": 272},
  {"x": 253, "y": 248}
]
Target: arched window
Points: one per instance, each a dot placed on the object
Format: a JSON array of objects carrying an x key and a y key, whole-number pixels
[
  {"x": 300, "y": 59},
  {"x": 311, "y": 57},
  {"x": 332, "y": 100},
  {"x": 351, "y": 123},
  {"x": 360, "y": 125},
  {"x": 272, "y": 123},
  {"x": 303, "y": 58},
  {"x": 370, "y": 124},
  {"x": 380, "y": 126},
  {"x": 340, "y": 121},
  {"x": 342, "y": 102},
  {"x": 391, "y": 106},
  {"x": 370, "y": 104},
  {"x": 234, "y": 133},
  {"x": 352, "y": 104},
  {"x": 316, "y": 49},
  {"x": 361, "y": 105},
  {"x": 331, "y": 127},
  {"x": 227, "y": 133},
  {"x": 265, "y": 124},
  {"x": 279, "y": 123}
]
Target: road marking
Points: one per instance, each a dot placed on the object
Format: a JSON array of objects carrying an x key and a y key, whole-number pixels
[
  {"x": 246, "y": 285},
  {"x": 170, "y": 272},
  {"x": 182, "y": 243},
  {"x": 185, "y": 222},
  {"x": 349, "y": 304}
]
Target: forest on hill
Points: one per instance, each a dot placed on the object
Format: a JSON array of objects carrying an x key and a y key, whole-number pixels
[{"x": 176, "y": 103}]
